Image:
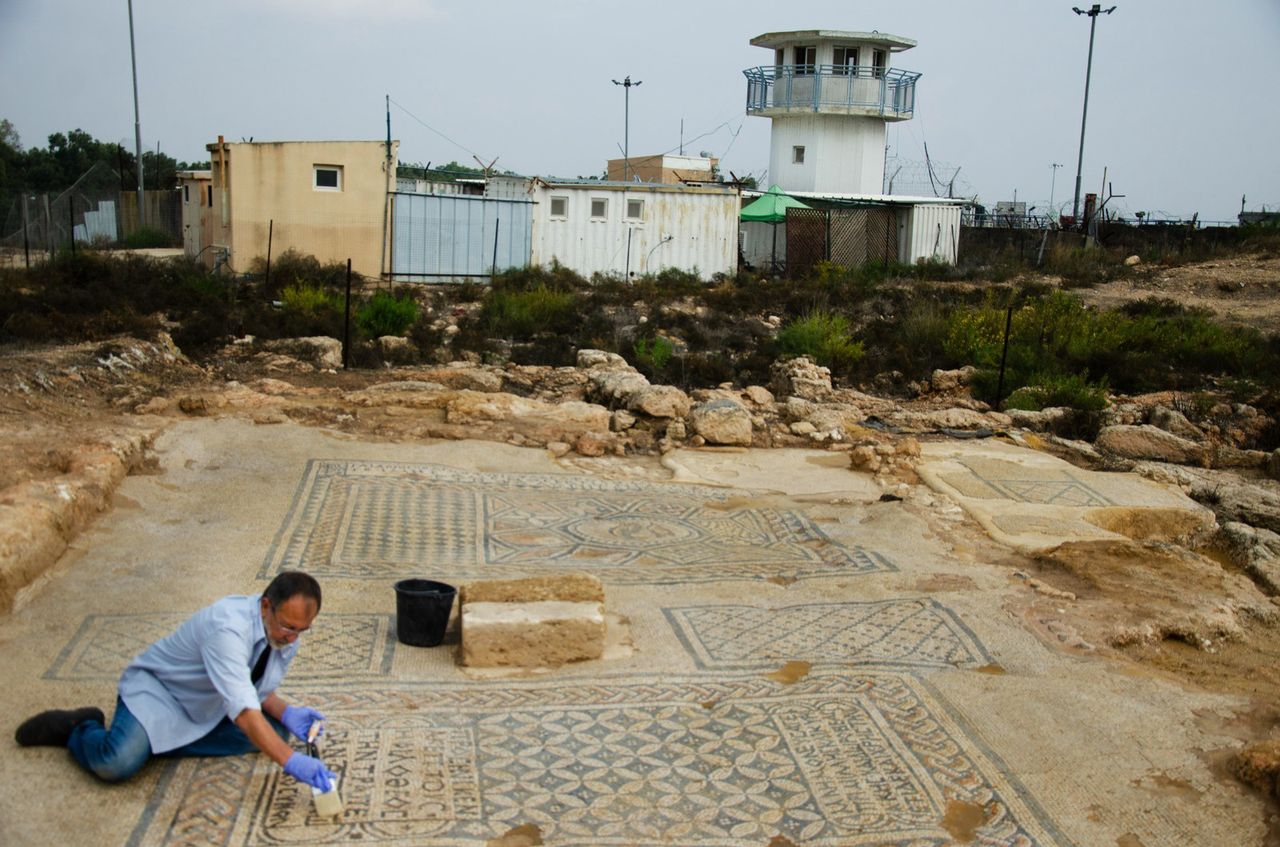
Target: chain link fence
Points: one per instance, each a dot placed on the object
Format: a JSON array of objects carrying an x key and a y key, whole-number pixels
[{"x": 92, "y": 212}]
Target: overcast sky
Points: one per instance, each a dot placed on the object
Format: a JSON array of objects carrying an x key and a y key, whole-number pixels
[{"x": 1183, "y": 111}]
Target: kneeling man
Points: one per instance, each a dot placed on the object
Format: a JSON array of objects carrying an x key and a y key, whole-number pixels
[{"x": 206, "y": 690}]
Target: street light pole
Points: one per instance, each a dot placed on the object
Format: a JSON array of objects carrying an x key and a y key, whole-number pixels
[
  {"x": 137, "y": 120},
  {"x": 1053, "y": 182},
  {"x": 1095, "y": 10},
  {"x": 626, "y": 126}
]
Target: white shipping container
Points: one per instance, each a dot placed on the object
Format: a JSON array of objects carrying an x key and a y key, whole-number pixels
[{"x": 635, "y": 228}]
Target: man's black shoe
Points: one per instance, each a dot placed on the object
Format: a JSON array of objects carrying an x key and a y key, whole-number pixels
[{"x": 53, "y": 728}]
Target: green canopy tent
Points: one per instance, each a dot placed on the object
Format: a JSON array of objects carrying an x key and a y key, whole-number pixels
[{"x": 771, "y": 207}]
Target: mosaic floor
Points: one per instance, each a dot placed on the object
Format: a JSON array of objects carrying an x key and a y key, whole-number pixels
[
  {"x": 864, "y": 750},
  {"x": 378, "y": 520}
]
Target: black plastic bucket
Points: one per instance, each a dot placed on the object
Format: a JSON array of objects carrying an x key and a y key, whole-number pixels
[{"x": 422, "y": 611}]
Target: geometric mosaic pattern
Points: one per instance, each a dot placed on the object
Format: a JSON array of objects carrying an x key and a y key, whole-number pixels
[
  {"x": 997, "y": 479},
  {"x": 853, "y": 758},
  {"x": 382, "y": 520},
  {"x": 339, "y": 646},
  {"x": 887, "y": 633}
]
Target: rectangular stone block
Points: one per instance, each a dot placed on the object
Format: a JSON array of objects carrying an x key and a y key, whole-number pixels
[
  {"x": 541, "y": 634},
  {"x": 570, "y": 587}
]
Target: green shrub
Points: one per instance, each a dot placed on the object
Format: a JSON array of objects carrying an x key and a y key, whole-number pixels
[
  {"x": 146, "y": 237},
  {"x": 653, "y": 354},
  {"x": 308, "y": 299},
  {"x": 1046, "y": 391},
  {"x": 387, "y": 314},
  {"x": 522, "y": 314},
  {"x": 824, "y": 336}
]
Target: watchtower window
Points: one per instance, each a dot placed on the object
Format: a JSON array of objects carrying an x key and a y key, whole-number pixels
[
  {"x": 797, "y": 154},
  {"x": 779, "y": 57},
  {"x": 846, "y": 61},
  {"x": 878, "y": 61},
  {"x": 806, "y": 58}
]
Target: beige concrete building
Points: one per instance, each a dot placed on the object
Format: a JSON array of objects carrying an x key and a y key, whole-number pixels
[
  {"x": 665, "y": 169},
  {"x": 197, "y": 214},
  {"x": 323, "y": 198}
]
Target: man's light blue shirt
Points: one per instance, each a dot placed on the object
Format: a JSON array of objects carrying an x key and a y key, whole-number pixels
[{"x": 180, "y": 687}]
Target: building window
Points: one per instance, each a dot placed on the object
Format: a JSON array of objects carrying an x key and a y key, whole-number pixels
[
  {"x": 599, "y": 208},
  {"x": 559, "y": 207},
  {"x": 878, "y": 62},
  {"x": 635, "y": 210},
  {"x": 779, "y": 57},
  {"x": 797, "y": 154},
  {"x": 806, "y": 58},
  {"x": 210, "y": 203},
  {"x": 327, "y": 178},
  {"x": 846, "y": 61},
  {"x": 186, "y": 194}
]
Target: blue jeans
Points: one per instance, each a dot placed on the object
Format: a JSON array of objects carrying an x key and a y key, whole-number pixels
[{"x": 118, "y": 753}]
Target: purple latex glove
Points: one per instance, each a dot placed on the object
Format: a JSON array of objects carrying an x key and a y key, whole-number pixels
[
  {"x": 298, "y": 720},
  {"x": 311, "y": 771}
]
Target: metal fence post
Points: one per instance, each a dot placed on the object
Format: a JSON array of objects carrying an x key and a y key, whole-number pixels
[
  {"x": 1004, "y": 356},
  {"x": 271, "y": 225},
  {"x": 26, "y": 235},
  {"x": 493, "y": 267},
  {"x": 346, "y": 323},
  {"x": 71, "y": 221}
]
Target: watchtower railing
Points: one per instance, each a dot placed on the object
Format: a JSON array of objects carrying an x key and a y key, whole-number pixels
[{"x": 865, "y": 89}]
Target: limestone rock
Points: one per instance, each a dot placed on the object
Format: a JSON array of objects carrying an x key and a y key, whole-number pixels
[
  {"x": 802, "y": 428},
  {"x": 759, "y": 395},
  {"x": 1273, "y": 464},
  {"x": 676, "y": 430},
  {"x": 943, "y": 380},
  {"x": 1249, "y": 504},
  {"x": 535, "y": 622},
  {"x": 1257, "y": 551},
  {"x": 571, "y": 587},
  {"x": 722, "y": 421},
  {"x": 949, "y": 419},
  {"x": 800, "y": 377},
  {"x": 591, "y": 444},
  {"x": 320, "y": 351},
  {"x": 1171, "y": 420},
  {"x": 1148, "y": 442},
  {"x": 542, "y": 634},
  {"x": 1259, "y": 765},
  {"x": 397, "y": 348},
  {"x": 1043, "y": 420},
  {"x": 622, "y": 421},
  {"x": 598, "y": 358},
  {"x": 660, "y": 401},
  {"x": 273, "y": 387},
  {"x": 616, "y": 386},
  {"x": 1130, "y": 261}
]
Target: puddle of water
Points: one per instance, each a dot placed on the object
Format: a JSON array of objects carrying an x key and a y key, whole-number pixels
[
  {"x": 993, "y": 669},
  {"x": 784, "y": 581},
  {"x": 963, "y": 819},
  {"x": 790, "y": 673},
  {"x": 527, "y": 835},
  {"x": 708, "y": 704},
  {"x": 1160, "y": 783},
  {"x": 780, "y": 841},
  {"x": 1129, "y": 840}
]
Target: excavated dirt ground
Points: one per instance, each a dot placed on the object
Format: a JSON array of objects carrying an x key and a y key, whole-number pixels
[{"x": 54, "y": 400}]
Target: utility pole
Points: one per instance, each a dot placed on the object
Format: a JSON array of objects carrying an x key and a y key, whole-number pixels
[
  {"x": 627, "y": 85},
  {"x": 137, "y": 120},
  {"x": 1052, "y": 183},
  {"x": 1094, "y": 10}
]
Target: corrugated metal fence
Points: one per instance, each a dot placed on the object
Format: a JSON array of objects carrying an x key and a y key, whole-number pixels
[
  {"x": 436, "y": 238},
  {"x": 846, "y": 237}
]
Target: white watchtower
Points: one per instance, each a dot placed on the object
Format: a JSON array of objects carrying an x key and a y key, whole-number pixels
[{"x": 829, "y": 94}]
